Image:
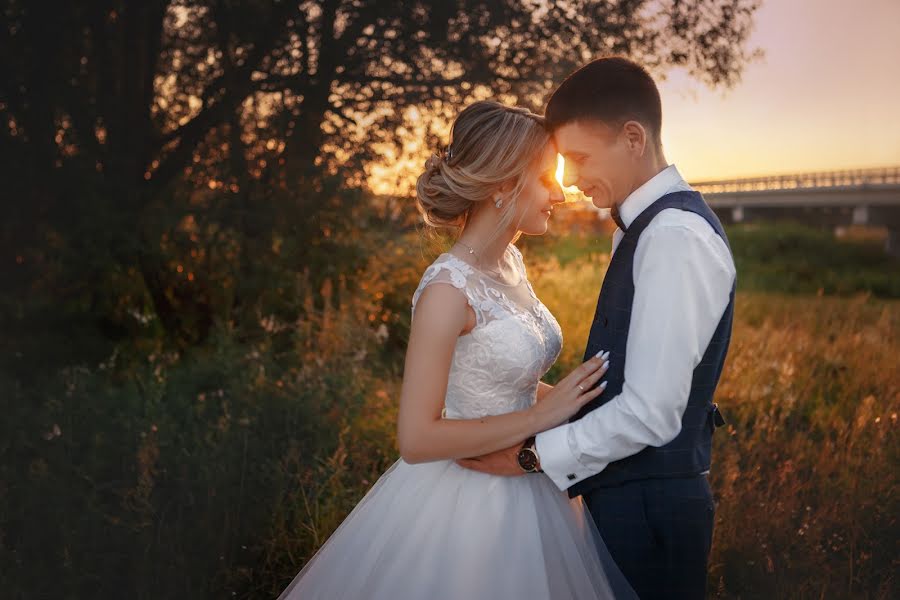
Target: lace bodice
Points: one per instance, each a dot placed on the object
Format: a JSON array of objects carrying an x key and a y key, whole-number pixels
[{"x": 496, "y": 366}]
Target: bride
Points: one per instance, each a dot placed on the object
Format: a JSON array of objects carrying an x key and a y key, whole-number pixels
[{"x": 479, "y": 345}]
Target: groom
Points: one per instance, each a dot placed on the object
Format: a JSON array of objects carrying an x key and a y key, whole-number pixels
[{"x": 639, "y": 454}]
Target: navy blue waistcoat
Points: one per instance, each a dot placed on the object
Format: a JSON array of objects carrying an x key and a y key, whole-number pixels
[{"x": 689, "y": 453}]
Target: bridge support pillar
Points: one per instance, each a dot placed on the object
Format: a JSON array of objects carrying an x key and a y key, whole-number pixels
[{"x": 892, "y": 244}]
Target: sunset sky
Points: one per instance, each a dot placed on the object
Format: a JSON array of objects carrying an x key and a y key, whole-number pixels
[{"x": 825, "y": 96}]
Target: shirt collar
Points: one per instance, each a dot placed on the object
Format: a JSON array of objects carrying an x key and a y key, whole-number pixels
[{"x": 652, "y": 190}]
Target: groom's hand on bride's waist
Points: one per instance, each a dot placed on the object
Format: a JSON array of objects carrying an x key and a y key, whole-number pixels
[{"x": 500, "y": 462}]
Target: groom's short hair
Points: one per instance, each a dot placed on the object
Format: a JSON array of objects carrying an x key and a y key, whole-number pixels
[{"x": 612, "y": 90}]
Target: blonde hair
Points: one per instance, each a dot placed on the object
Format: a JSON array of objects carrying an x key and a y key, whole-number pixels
[{"x": 490, "y": 144}]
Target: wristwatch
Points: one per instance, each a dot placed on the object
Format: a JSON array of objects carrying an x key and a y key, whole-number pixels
[{"x": 528, "y": 457}]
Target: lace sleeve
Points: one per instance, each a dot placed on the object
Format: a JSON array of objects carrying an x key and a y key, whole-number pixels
[{"x": 452, "y": 272}]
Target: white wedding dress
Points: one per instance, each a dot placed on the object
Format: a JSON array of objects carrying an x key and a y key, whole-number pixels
[{"x": 438, "y": 531}]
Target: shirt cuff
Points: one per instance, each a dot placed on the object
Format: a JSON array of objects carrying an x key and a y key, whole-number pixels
[{"x": 557, "y": 460}]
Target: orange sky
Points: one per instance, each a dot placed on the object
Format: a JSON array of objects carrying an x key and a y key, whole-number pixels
[{"x": 825, "y": 96}]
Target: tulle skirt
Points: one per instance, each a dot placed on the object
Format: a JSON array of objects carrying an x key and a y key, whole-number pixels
[{"x": 438, "y": 531}]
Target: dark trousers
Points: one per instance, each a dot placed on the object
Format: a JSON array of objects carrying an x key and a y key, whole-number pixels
[{"x": 659, "y": 532}]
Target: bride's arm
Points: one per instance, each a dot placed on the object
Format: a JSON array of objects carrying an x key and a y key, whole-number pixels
[{"x": 441, "y": 315}]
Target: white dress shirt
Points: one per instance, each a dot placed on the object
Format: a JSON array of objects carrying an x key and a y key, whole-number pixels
[{"x": 683, "y": 273}]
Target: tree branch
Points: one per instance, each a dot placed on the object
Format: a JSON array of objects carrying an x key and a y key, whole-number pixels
[{"x": 193, "y": 132}]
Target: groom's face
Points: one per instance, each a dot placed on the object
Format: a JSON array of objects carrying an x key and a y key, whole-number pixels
[{"x": 597, "y": 160}]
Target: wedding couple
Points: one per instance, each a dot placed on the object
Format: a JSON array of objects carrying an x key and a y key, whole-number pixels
[{"x": 510, "y": 488}]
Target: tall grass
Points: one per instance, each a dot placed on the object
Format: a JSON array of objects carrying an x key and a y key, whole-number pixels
[
  {"x": 805, "y": 472},
  {"x": 218, "y": 471}
]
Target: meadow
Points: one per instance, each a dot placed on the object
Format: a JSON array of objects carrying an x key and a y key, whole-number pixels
[
  {"x": 218, "y": 470},
  {"x": 805, "y": 471}
]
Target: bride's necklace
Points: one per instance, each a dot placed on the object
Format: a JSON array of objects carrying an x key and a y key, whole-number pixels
[{"x": 478, "y": 258}]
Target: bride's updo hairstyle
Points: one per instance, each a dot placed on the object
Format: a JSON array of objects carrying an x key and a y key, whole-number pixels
[{"x": 490, "y": 144}]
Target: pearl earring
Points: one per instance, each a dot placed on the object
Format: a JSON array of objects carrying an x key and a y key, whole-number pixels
[{"x": 498, "y": 202}]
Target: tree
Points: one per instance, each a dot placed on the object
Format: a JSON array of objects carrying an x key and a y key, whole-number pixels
[{"x": 111, "y": 106}]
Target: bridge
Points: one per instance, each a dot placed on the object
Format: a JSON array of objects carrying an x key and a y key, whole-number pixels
[{"x": 826, "y": 199}]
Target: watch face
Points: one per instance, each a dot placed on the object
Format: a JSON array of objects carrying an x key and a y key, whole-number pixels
[{"x": 527, "y": 459}]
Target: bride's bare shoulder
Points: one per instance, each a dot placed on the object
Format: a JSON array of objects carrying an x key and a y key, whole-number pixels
[{"x": 442, "y": 308}]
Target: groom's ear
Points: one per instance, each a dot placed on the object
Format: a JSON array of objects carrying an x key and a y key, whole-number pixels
[{"x": 636, "y": 138}]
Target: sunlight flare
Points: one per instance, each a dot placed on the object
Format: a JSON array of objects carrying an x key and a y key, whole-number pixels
[{"x": 573, "y": 194}]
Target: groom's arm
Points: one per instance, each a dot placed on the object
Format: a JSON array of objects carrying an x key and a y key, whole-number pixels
[{"x": 683, "y": 275}]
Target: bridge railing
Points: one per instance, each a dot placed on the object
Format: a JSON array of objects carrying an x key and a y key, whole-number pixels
[{"x": 824, "y": 179}]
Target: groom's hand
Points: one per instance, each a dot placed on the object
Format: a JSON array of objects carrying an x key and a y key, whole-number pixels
[{"x": 500, "y": 462}]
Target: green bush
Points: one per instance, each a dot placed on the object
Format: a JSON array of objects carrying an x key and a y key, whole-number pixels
[
  {"x": 165, "y": 475},
  {"x": 799, "y": 260},
  {"x": 775, "y": 257}
]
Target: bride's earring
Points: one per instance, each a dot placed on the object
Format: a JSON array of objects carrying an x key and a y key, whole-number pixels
[{"x": 498, "y": 202}]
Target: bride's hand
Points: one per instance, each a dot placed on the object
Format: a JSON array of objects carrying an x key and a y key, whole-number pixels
[{"x": 573, "y": 392}]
